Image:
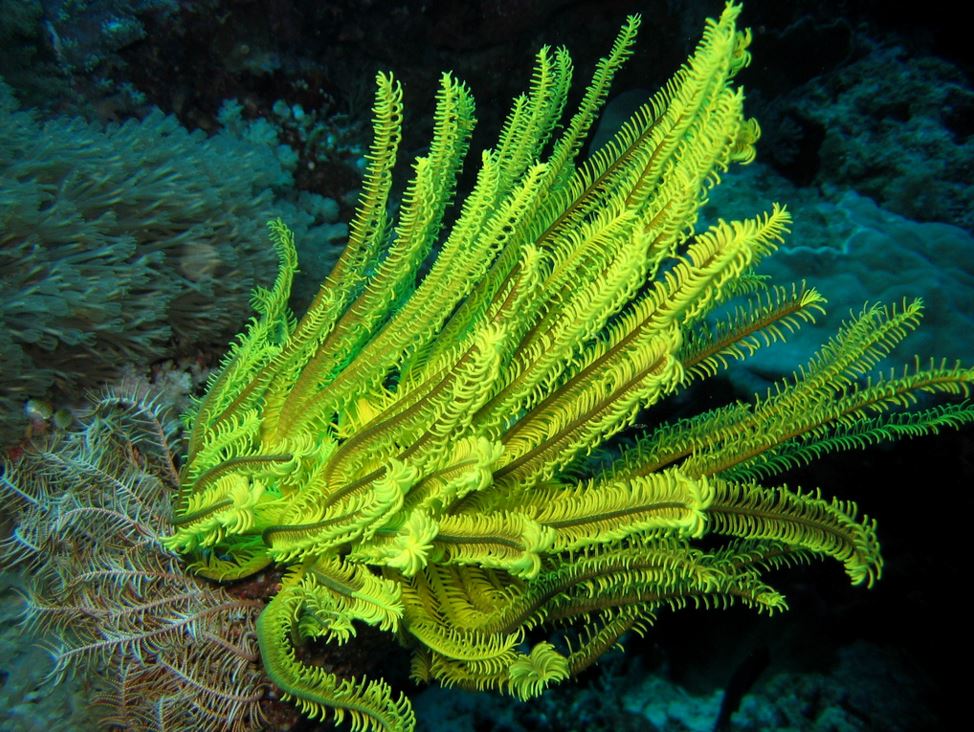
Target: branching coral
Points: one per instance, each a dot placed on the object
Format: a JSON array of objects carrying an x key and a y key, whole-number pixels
[{"x": 418, "y": 448}]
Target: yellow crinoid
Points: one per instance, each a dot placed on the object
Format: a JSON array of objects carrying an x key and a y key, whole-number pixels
[{"x": 417, "y": 449}]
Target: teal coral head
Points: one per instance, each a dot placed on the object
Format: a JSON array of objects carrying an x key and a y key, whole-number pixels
[{"x": 417, "y": 450}]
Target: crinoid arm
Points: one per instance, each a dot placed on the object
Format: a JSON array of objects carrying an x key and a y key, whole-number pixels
[{"x": 430, "y": 448}]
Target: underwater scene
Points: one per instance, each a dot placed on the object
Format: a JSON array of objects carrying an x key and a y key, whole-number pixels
[{"x": 485, "y": 366}]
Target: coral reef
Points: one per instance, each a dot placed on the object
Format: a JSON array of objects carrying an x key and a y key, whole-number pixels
[
  {"x": 438, "y": 448},
  {"x": 126, "y": 244},
  {"x": 892, "y": 127}
]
